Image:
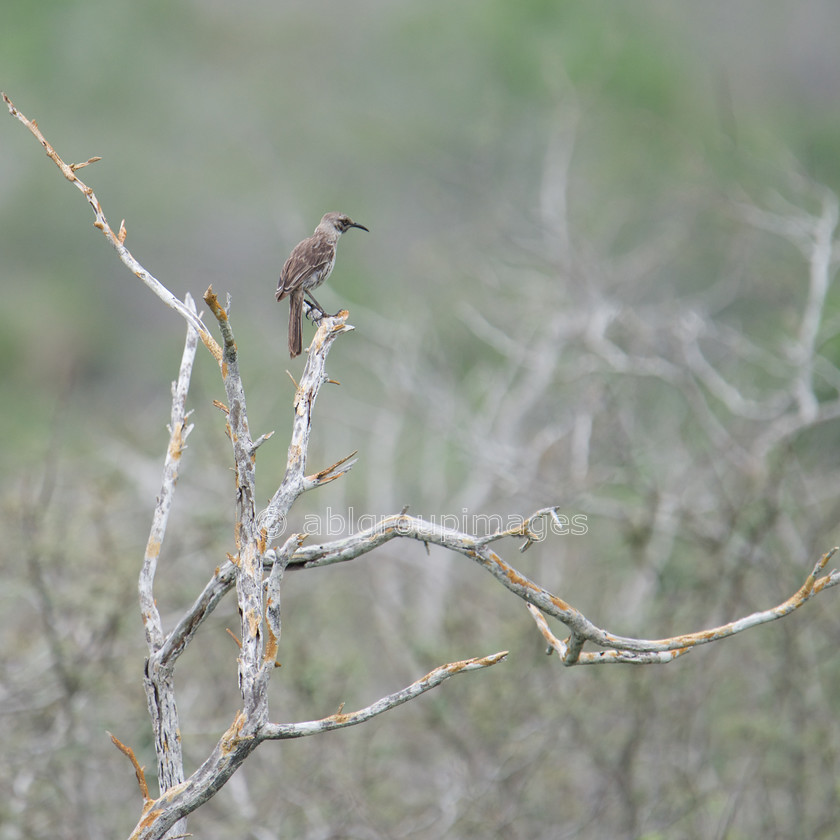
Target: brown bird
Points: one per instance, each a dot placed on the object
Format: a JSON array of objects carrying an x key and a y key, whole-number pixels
[{"x": 309, "y": 264}]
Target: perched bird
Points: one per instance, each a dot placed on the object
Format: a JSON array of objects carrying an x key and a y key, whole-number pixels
[{"x": 309, "y": 264}]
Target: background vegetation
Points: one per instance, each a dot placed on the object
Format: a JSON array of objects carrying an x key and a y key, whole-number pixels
[{"x": 525, "y": 168}]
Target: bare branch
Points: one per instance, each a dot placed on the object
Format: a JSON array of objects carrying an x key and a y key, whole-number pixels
[
  {"x": 117, "y": 240},
  {"x": 525, "y": 529},
  {"x": 158, "y": 677},
  {"x": 178, "y": 433},
  {"x": 138, "y": 770},
  {"x": 476, "y": 549},
  {"x": 328, "y": 474},
  {"x": 338, "y": 721},
  {"x": 272, "y": 594},
  {"x": 239, "y": 741},
  {"x": 250, "y": 540},
  {"x": 260, "y": 441},
  {"x": 216, "y": 588},
  {"x": 571, "y": 652},
  {"x": 314, "y": 376},
  {"x": 232, "y": 749}
]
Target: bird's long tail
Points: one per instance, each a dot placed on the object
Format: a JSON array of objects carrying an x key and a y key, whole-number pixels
[{"x": 295, "y": 316}]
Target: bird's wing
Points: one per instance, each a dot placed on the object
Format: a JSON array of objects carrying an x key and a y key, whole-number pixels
[{"x": 307, "y": 259}]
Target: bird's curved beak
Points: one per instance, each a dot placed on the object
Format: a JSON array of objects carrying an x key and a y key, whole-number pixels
[{"x": 361, "y": 227}]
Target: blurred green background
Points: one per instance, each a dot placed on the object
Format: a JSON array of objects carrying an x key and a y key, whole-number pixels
[{"x": 528, "y": 172}]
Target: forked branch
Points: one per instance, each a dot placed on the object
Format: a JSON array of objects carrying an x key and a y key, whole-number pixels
[
  {"x": 616, "y": 648},
  {"x": 257, "y": 571}
]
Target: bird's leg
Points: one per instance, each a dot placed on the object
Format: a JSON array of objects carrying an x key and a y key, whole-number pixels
[
  {"x": 313, "y": 311},
  {"x": 318, "y": 306}
]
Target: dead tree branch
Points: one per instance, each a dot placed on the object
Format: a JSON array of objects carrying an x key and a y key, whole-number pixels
[
  {"x": 158, "y": 674},
  {"x": 116, "y": 239},
  {"x": 619, "y": 648},
  {"x": 257, "y": 571},
  {"x": 281, "y": 731}
]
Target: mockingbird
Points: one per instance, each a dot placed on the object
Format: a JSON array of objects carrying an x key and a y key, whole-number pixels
[{"x": 309, "y": 264}]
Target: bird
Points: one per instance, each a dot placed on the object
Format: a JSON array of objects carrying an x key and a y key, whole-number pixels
[{"x": 309, "y": 264}]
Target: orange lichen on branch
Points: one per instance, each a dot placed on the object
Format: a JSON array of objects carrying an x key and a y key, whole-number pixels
[
  {"x": 271, "y": 646},
  {"x": 149, "y": 818},
  {"x": 213, "y": 304},
  {"x": 176, "y": 443},
  {"x": 254, "y": 621},
  {"x": 232, "y": 736}
]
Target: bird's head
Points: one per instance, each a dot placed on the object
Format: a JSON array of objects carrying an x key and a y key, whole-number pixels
[{"x": 339, "y": 222}]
